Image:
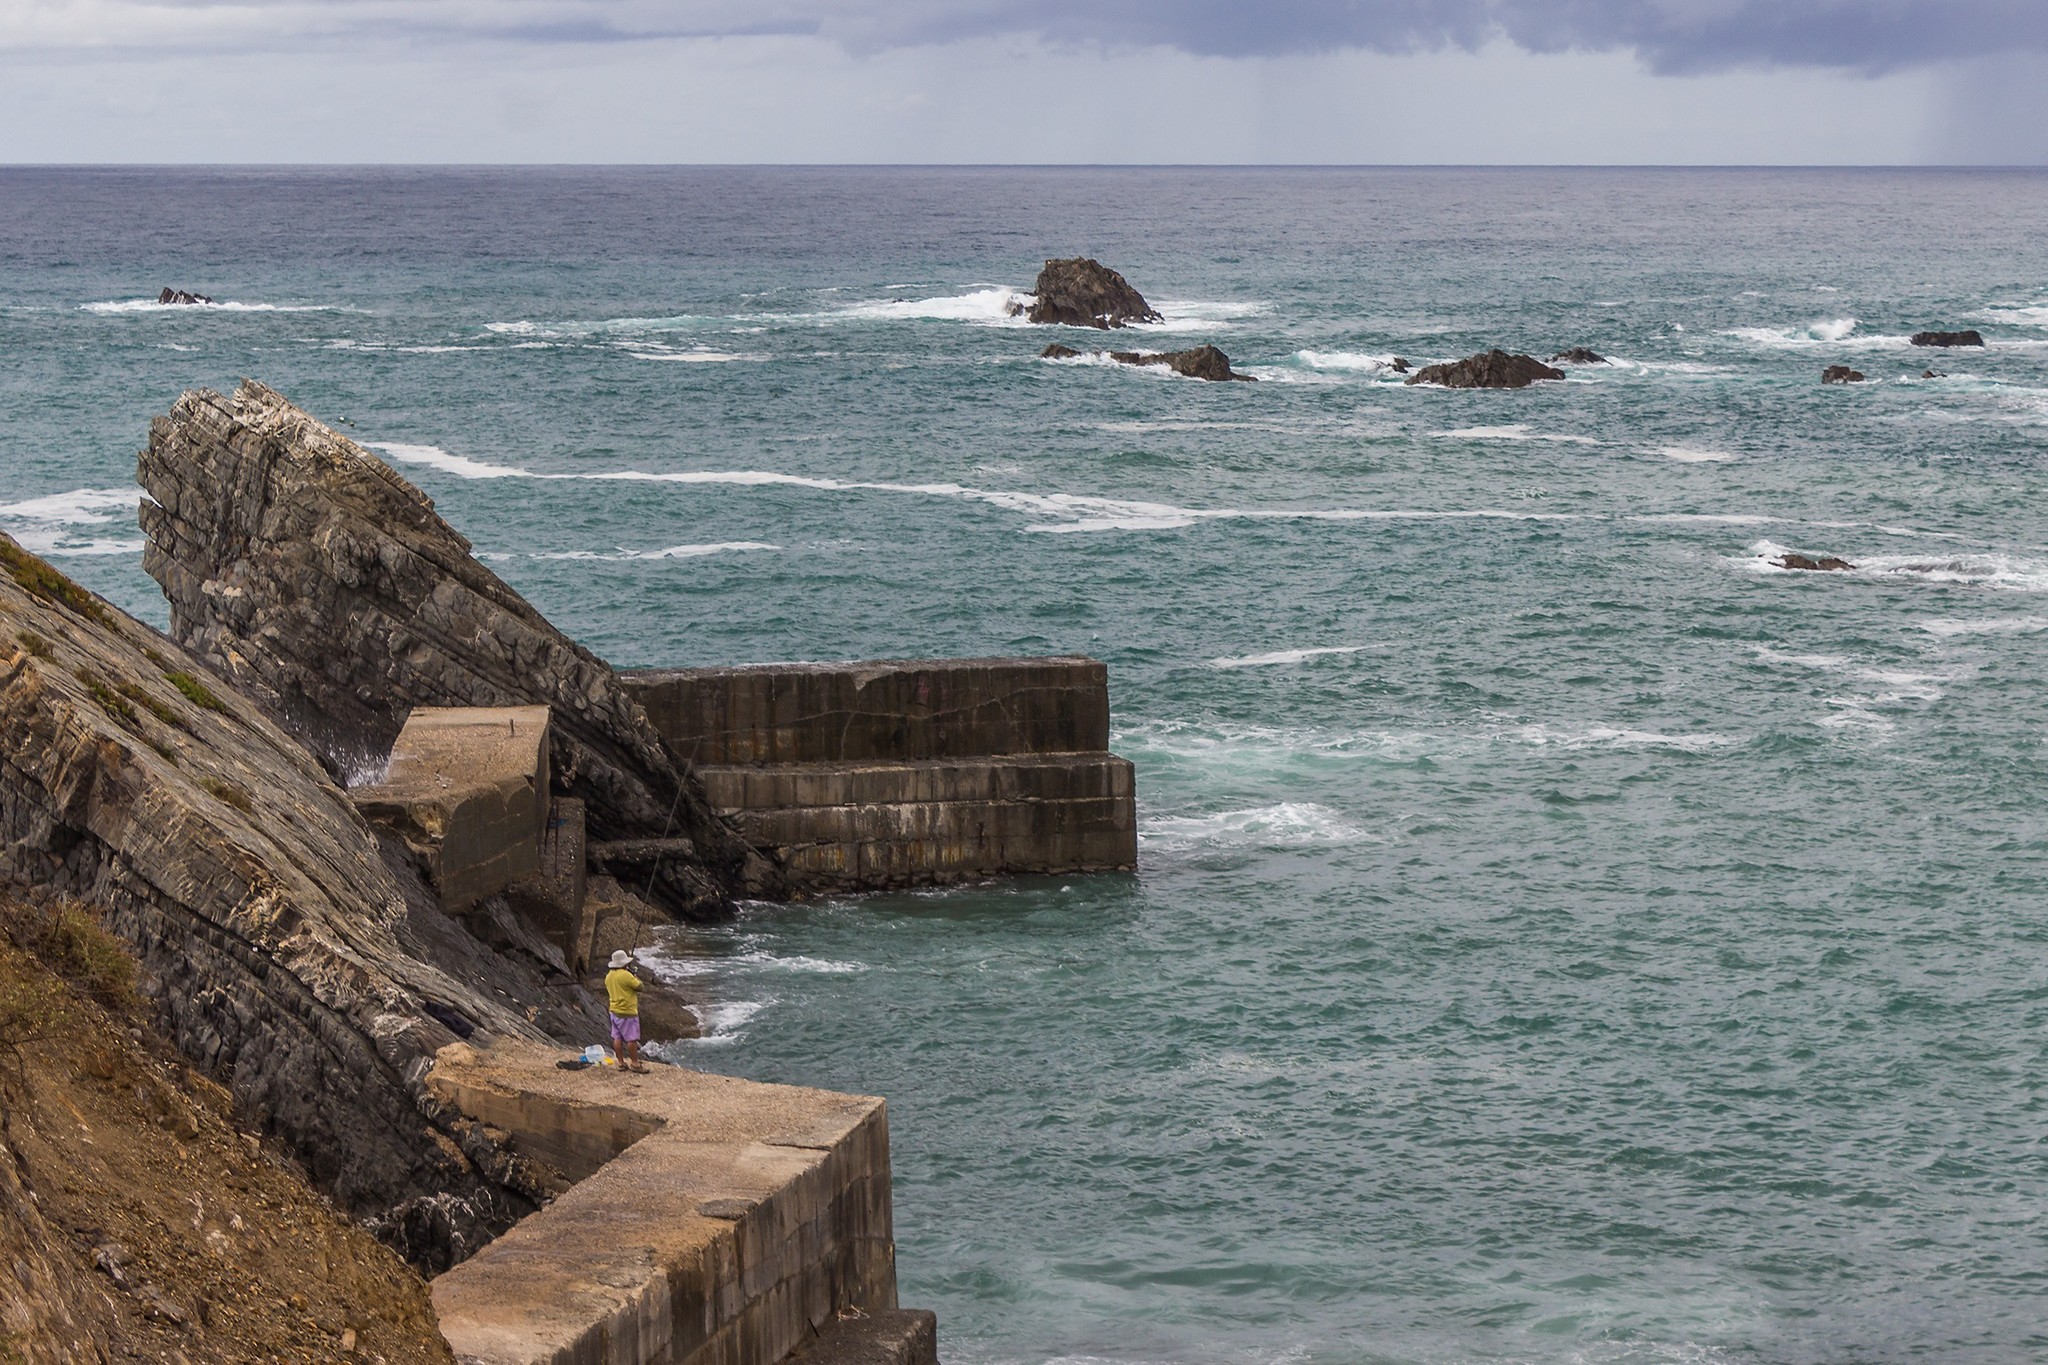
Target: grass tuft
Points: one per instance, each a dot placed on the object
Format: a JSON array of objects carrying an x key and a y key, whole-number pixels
[
  {"x": 227, "y": 793},
  {"x": 139, "y": 694},
  {"x": 40, "y": 580},
  {"x": 112, "y": 702},
  {"x": 195, "y": 691},
  {"x": 34, "y": 643}
]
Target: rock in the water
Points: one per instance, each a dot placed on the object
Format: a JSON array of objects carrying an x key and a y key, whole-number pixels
[
  {"x": 1971, "y": 337},
  {"x": 1494, "y": 369},
  {"x": 1825, "y": 564},
  {"x": 1934, "y": 374},
  {"x": 318, "y": 580},
  {"x": 289, "y": 952},
  {"x": 1080, "y": 292},
  {"x": 169, "y": 295},
  {"x": 1841, "y": 374},
  {"x": 1578, "y": 355},
  {"x": 1203, "y": 362},
  {"x": 1398, "y": 365}
]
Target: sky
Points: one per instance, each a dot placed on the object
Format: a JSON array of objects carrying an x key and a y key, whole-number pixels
[{"x": 1026, "y": 81}]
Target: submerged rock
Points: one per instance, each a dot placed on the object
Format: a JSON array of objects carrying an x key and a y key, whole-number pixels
[
  {"x": 288, "y": 950},
  {"x": 169, "y": 295},
  {"x": 1578, "y": 355},
  {"x": 1825, "y": 564},
  {"x": 1841, "y": 374},
  {"x": 1494, "y": 369},
  {"x": 319, "y": 581},
  {"x": 1202, "y": 362},
  {"x": 1971, "y": 337},
  {"x": 1080, "y": 292}
]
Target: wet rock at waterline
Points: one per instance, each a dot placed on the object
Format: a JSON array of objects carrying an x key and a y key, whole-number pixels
[
  {"x": 1201, "y": 362},
  {"x": 1970, "y": 337},
  {"x": 1080, "y": 292},
  {"x": 1494, "y": 369},
  {"x": 1841, "y": 374},
  {"x": 1578, "y": 355},
  {"x": 1825, "y": 564},
  {"x": 169, "y": 295}
]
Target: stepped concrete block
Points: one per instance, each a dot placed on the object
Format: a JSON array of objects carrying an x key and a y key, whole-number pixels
[
  {"x": 467, "y": 788},
  {"x": 902, "y": 1336},
  {"x": 714, "y": 1221},
  {"x": 891, "y": 709}
]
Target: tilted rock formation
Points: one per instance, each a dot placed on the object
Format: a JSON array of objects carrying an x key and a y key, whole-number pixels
[
  {"x": 1494, "y": 369},
  {"x": 1202, "y": 362},
  {"x": 317, "y": 579},
  {"x": 289, "y": 952},
  {"x": 1971, "y": 337},
  {"x": 1080, "y": 292},
  {"x": 1841, "y": 374}
]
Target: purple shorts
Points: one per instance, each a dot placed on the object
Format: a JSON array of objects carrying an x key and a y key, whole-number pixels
[{"x": 625, "y": 1028}]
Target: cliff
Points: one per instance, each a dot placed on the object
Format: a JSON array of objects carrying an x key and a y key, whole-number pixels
[
  {"x": 315, "y": 578},
  {"x": 289, "y": 950}
]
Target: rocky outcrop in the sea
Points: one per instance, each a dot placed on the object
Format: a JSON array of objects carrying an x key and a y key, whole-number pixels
[
  {"x": 1398, "y": 365},
  {"x": 1970, "y": 337},
  {"x": 1841, "y": 374},
  {"x": 1080, "y": 292},
  {"x": 1824, "y": 564},
  {"x": 170, "y": 295},
  {"x": 289, "y": 951},
  {"x": 1578, "y": 355},
  {"x": 1934, "y": 374},
  {"x": 319, "y": 581},
  {"x": 1494, "y": 369},
  {"x": 1201, "y": 362}
]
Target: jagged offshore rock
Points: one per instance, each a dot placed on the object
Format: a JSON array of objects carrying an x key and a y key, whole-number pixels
[
  {"x": 1841, "y": 374},
  {"x": 1824, "y": 564},
  {"x": 170, "y": 295},
  {"x": 1201, "y": 362},
  {"x": 312, "y": 575},
  {"x": 1494, "y": 369},
  {"x": 1578, "y": 355},
  {"x": 1081, "y": 292},
  {"x": 1970, "y": 337},
  {"x": 289, "y": 951}
]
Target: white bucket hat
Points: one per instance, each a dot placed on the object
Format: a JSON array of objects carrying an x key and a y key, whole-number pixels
[{"x": 621, "y": 958}]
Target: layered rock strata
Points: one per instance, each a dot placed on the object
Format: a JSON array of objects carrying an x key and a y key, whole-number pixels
[
  {"x": 322, "y": 583},
  {"x": 1081, "y": 292},
  {"x": 290, "y": 952}
]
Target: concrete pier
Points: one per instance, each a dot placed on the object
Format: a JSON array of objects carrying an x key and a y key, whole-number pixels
[
  {"x": 467, "y": 788},
  {"x": 712, "y": 1221},
  {"x": 897, "y": 773}
]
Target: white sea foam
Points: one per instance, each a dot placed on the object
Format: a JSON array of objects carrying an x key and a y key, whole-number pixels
[
  {"x": 1346, "y": 360},
  {"x": 725, "y": 1021},
  {"x": 988, "y": 304},
  {"x": 113, "y": 306},
  {"x": 695, "y": 357},
  {"x": 799, "y": 963},
  {"x": 1516, "y": 431},
  {"x": 1285, "y": 824},
  {"x": 2005, "y": 572},
  {"x": 1838, "y": 333},
  {"x": 60, "y": 544},
  {"x": 2018, "y": 314},
  {"x": 1694, "y": 454},
  {"x": 436, "y": 458},
  {"x": 1287, "y": 656},
  {"x": 1949, "y": 627},
  {"x": 672, "y": 552},
  {"x": 79, "y": 507},
  {"x": 1607, "y": 736},
  {"x": 1708, "y": 519}
]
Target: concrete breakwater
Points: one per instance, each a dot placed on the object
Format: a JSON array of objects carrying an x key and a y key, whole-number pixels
[{"x": 906, "y": 772}]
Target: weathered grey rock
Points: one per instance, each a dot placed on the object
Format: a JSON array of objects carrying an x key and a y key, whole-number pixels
[
  {"x": 169, "y": 295},
  {"x": 1933, "y": 374},
  {"x": 1494, "y": 369},
  {"x": 319, "y": 581},
  {"x": 1825, "y": 564},
  {"x": 1059, "y": 352},
  {"x": 1578, "y": 355},
  {"x": 289, "y": 951},
  {"x": 1841, "y": 374},
  {"x": 1970, "y": 337},
  {"x": 1080, "y": 292}
]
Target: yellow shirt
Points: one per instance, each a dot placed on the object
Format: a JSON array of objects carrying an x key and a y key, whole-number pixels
[{"x": 624, "y": 989}]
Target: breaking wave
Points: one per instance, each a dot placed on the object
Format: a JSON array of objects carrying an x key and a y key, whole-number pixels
[{"x": 1287, "y": 656}]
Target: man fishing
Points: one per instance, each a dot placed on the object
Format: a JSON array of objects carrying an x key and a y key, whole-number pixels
[{"x": 624, "y": 988}]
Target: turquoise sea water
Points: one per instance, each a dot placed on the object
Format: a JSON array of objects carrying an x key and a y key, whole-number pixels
[{"x": 1560, "y": 935}]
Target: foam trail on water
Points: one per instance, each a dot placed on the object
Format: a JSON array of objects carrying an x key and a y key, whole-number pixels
[
  {"x": 1285, "y": 824},
  {"x": 80, "y": 506},
  {"x": 672, "y": 552},
  {"x": 461, "y": 466},
  {"x": 1287, "y": 656},
  {"x": 1694, "y": 454},
  {"x": 1517, "y": 431},
  {"x": 988, "y": 304},
  {"x": 113, "y": 306}
]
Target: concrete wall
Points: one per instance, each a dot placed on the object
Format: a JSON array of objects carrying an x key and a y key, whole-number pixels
[
  {"x": 467, "y": 788},
  {"x": 717, "y": 1221},
  {"x": 903, "y": 773},
  {"x": 892, "y": 709}
]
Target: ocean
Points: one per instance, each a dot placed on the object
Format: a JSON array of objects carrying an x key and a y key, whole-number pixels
[{"x": 1561, "y": 934}]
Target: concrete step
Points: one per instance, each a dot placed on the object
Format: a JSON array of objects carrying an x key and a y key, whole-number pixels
[{"x": 895, "y": 1336}]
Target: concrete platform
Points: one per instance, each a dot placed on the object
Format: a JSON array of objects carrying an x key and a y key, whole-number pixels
[
  {"x": 467, "y": 788},
  {"x": 713, "y": 1221}
]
